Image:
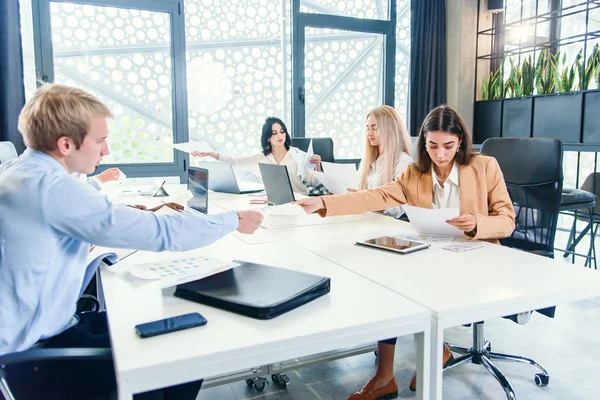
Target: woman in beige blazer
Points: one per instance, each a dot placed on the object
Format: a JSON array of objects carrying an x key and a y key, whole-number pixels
[{"x": 447, "y": 174}]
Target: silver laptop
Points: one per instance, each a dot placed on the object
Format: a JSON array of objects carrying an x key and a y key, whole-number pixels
[{"x": 222, "y": 179}]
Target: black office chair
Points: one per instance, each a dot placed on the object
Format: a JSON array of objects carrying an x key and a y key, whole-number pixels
[
  {"x": 583, "y": 198},
  {"x": 321, "y": 146},
  {"x": 39, "y": 354},
  {"x": 532, "y": 169},
  {"x": 86, "y": 303}
]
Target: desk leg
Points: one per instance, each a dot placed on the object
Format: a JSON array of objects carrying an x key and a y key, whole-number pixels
[
  {"x": 124, "y": 393},
  {"x": 436, "y": 351},
  {"x": 423, "y": 340}
]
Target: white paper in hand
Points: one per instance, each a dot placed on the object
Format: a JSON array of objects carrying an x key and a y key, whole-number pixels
[
  {"x": 300, "y": 158},
  {"x": 308, "y": 166},
  {"x": 338, "y": 178},
  {"x": 433, "y": 220},
  {"x": 188, "y": 147}
]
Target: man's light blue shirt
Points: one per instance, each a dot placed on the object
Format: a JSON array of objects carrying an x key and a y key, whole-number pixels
[{"x": 47, "y": 222}]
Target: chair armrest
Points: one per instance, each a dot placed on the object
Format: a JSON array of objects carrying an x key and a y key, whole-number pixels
[{"x": 41, "y": 354}]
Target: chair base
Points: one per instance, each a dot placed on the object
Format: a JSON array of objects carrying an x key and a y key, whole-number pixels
[
  {"x": 4, "y": 389},
  {"x": 481, "y": 354}
]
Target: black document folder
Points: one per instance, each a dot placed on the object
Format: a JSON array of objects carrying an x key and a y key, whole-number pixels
[{"x": 256, "y": 290}]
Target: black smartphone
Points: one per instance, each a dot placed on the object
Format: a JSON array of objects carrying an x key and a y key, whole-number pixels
[{"x": 167, "y": 325}]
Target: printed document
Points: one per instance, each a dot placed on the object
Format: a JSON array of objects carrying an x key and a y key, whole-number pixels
[
  {"x": 433, "y": 220},
  {"x": 174, "y": 272}
]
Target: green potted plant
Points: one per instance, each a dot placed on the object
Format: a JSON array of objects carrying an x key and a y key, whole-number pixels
[
  {"x": 518, "y": 107},
  {"x": 557, "y": 109},
  {"x": 488, "y": 112}
]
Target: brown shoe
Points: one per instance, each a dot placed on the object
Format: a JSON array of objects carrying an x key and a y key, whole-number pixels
[
  {"x": 368, "y": 392},
  {"x": 448, "y": 359}
]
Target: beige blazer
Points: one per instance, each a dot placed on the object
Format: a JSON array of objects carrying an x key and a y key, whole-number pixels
[{"x": 482, "y": 193}]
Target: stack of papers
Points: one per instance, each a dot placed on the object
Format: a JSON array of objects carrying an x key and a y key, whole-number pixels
[
  {"x": 338, "y": 178},
  {"x": 174, "y": 272}
]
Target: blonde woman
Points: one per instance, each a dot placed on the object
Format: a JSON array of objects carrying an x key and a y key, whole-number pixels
[{"x": 387, "y": 151}]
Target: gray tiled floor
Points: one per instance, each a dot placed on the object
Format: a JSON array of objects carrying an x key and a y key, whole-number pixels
[{"x": 567, "y": 346}]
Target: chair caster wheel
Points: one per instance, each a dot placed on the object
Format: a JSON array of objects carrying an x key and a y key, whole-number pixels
[
  {"x": 376, "y": 353},
  {"x": 259, "y": 384},
  {"x": 250, "y": 382},
  {"x": 541, "y": 380},
  {"x": 280, "y": 380}
]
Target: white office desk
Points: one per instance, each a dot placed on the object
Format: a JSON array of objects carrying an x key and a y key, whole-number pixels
[
  {"x": 227, "y": 201},
  {"x": 356, "y": 312},
  {"x": 458, "y": 288}
]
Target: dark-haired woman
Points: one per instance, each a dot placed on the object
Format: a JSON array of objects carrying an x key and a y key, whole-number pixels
[
  {"x": 275, "y": 141},
  {"x": 447, "y": 174}
]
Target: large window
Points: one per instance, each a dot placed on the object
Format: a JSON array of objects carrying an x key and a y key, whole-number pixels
[
  {"x": 235, "y": 70},
  {"x": 221, "y": 76},
  {"x": 350, "y": 57}
]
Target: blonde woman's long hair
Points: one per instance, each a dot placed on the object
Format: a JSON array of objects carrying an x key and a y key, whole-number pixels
[{"x": 394, "y": 140}]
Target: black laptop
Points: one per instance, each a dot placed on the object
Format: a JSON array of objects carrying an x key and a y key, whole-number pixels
[
  {"x": 277, "y": 183},
  {"x": 198, "y": 186}
]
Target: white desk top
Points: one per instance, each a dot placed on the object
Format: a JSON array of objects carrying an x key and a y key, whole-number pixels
[
  {"x": 228, "y": 201},
  {"x": 355, "y": 312},
  {"x": 467, "y": 287}
]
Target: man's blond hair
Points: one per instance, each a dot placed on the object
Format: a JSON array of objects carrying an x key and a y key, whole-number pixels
[{"x": 58, "y": 110}]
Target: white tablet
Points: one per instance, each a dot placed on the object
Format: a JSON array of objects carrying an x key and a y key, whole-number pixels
[{"x": 393, "y": 244}]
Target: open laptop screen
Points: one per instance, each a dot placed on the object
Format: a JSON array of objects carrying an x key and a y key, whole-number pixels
[{"x": 198, "y": 185}]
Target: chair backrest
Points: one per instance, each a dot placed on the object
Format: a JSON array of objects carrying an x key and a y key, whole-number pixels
[
  {"x": 532, "y": 169},
  {"x": 7, "y": 152},
  {"x": 592, "y": 185},
  {"x": 414, "y": 140},
  {"x": 321, "y": 146}
]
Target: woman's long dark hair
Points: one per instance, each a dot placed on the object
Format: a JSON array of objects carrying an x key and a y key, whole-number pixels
[
  {"x": 267, "y": 132},
  {"x": 444, "y": 119}
]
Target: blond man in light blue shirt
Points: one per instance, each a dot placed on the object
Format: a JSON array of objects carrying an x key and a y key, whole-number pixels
[{"x": 48, "y": 221}]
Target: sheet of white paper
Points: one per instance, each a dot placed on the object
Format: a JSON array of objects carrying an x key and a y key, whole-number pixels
[
  {"x": 188, "y": 147},
  {"x": 338, "y": 178},
  {"x": 258, "y": 237},
  {"x": 433, "y": 220},
  {"x": 300, "y": 158},
  {"x": 95, "y": 257},
  {"x": 173, "y": 272},
  {"x": 307, "y": 165},
  {"x": 288, "y": 210}
]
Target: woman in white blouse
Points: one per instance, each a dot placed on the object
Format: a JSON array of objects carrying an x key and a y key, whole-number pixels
[
  {"x": 275, "y": 142},
  {"x": 387, "y": 153}
]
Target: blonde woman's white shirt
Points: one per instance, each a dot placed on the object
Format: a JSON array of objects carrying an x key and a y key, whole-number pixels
[
  {"x": 449, "y": 195},
  {"x": 375, "y": 178},
  {"x": 251, "y": 163}
]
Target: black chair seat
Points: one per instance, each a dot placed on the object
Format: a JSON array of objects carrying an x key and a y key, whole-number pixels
[{"x": 572, "y": 199}]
